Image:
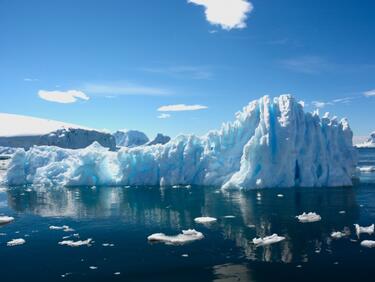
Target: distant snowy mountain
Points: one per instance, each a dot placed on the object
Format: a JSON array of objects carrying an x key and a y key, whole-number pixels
[
  {"x": 130, "y": 138},
  {"x": 25, "y": 132},
  {"x": 370, "y": 143},
  {"x": 159, "y": 139}
]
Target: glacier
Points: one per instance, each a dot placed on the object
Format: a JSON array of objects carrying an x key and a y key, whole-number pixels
[{"x": 271, "y": 143}]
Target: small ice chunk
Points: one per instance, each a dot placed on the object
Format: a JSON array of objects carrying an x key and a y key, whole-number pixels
[
  {"x": 117, "y": 273},
  {"x": 66, "y": 274},
  {"x": 229, "y": 216},
  {"x": 188, "y": 186},
  {"x": 364, "y": 229},
  {"x": 16, "y": 242},
  {"x": 6, "y": 219},
  {"x": 308, "y": 217},
  {"x": 337, "y": 235},
  {"x": 368, "y": 243},
  {"x": 369, "y": 168},
  {"x": 274, "y": 238},
  {"x": 79, "y": 243},
  {"x": 205, "y": 219},
  {"x": 185, "y": 237},
  {"x": 280, "y": 195},
  {"x": 342, "y": 212},
  {"x": 93, "y": 267},
  {"x": 65, "y": 228},
  {"x": 185, "y": 255}
]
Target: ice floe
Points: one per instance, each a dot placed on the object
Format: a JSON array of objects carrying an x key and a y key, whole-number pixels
[
  {"x": 337, "y": 235},
  {"x": 364, "y": 229},
  {"x": 268, "y": 240},
  {"x": 16, "y": 242},
  {"x": 369, "y": 168},
  {"x": 368, "y": 243},
  {"x": 205, "y": 219},
  {"x": 229, "y": 216},
  {"x": 308, "y": 217},
  {"x": 6, "y": 219},
  {"x": 65, "y": 228},
  {"x": 79, "y": 243},
  {"x": 185, "y": 237}
]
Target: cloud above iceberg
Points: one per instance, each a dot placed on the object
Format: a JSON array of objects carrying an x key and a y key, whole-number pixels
[
  {"x": 228, "y": 14},
  {"x": 164, "y": 116},
  {"x": 370, "y": 93},
  {"x": 64, "y": 97},
  {"x": 181, "y": 107},
  {"x": 119, "y": 89}
]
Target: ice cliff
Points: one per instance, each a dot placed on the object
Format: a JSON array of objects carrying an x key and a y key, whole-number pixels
[{"x": 271, "y": 143}]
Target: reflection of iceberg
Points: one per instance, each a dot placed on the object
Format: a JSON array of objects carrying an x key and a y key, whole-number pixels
[{"x": 272, "y": 143}]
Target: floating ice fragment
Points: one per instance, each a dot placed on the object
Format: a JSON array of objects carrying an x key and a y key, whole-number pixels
[
  {"x": 205, "y": 219},
  {"x": 79, "y": 243},
  {"x": 274, "y": 238},
  {"x": 186, "y": 237},
  {"x": 337, "y": 235},
  {"x": 66, "y": 274},
  {"x": 185, "y": 255},
  {"x": 16, "y": 242},
  {"x": 280, "y": 195},
  {"x": 6, "y": 219},
  {"x": 93, "y": 267},
  {"x": 368, "y": 243},
  {"x": 370, "y": 168},
  {"x": 308, "y": 217},
  {"x": 342, "y": 212},
  {"x": 117, "y": 273},
  {"x": 229, "y": 216},
  {"x": 364, "y": 229},
  {"x": 65, "y": 228}
]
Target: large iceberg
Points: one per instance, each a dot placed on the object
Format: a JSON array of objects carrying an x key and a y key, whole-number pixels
[
  {"x": 271, "y": 143},
  {"x": 370, "y": 143}
]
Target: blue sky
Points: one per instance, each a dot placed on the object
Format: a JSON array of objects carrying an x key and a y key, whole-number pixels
[{"x": 126, "y": 59}]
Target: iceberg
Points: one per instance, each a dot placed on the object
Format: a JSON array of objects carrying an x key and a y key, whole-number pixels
[
  {"x": 308, "y": 217},
  {"x": 79, "y": 243},
  {"x": 370, "y": 143},
  {"x": 186, "y": 236},
  {"x": 5, "y": 220},
  {"x": 337, "y": 235},
  {"x": 16, "y": 242},
  {"x": 271, "y": 143},
  {"x": 130, "y": 138},
  {"x": 368, "y": 243},
  {"x": 205, "y": 219},
  {"x": 268, "y": 240},
  {"x": 364, "y": 229}
]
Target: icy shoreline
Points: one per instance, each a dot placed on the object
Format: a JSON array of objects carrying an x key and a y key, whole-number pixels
[{"x": 272, "y": 143}]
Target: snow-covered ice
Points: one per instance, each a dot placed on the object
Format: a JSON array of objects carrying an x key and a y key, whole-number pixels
[
  {"x": 130, "y": 138},
  {"x": 308, "y": 217},
  {"x": 364, "y": 229},
  {"x": 185, "y": 237},
  {"x": 79, "y": 243},
  {"x": 6, "y": 219},
  {"x": 205, "y": 219},
  {"x": 271, "y": 143},
  {"x": 274, "y": 238},
  {"x": 368, "y": 243},
  {"x": 16, "y": 242}
]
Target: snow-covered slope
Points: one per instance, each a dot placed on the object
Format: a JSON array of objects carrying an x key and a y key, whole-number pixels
[
  {"x": 370, "y": 143},
  {"x": 159, "y": 139},
  {"x": 25, "y": 132},
  {"x": 271, "y": 143},
  {"x": 130, "y": 138}
]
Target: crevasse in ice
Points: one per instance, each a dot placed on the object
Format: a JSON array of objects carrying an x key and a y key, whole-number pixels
[{"x": 271, "y": 143}]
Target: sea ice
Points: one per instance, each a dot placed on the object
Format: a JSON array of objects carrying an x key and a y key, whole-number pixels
[
  {"x": 369, "y": 168},
  {"x": 364, "y": 229},
  {"x": 274, "y": 238},
  {"x": 65, "y": 228},
  {"x": 16, "y": 242},
  {"x": 368, "y": 243},
  {"x": 271, "y": 143},
  {"x": 308, "y": 217},
  {"x": 79, "y": 243},
  {"x": 205, "y": 219},
  {"x": 185, "y": 237},
  {"x": 6, "y": 219},
  {"x": 338, "y": 235}
]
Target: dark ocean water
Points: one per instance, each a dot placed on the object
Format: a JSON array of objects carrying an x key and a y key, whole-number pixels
[{"x": 125, "y": 217}]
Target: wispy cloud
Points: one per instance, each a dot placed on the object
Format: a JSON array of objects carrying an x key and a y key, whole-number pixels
[
  {"x": 228, "y": 14},
  {"x": 164, "y": 116},
  {"x": 322, "y": 104},
  {"x": 193, "y": 72},
  {"x": 307, "y": 64},
  {"x": 118, "y": 89},
  {"x": 369, "y": 93},
  {"x": 181, "y": 107},
  {"x": 64, "y": 97},
  {"x": 28, "y": 79}
]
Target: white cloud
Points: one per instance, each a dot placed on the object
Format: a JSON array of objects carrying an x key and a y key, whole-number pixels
[
  {"x": 65, "y": 97},
  {"x": 320, "y": 104},
  {"x": 115, "y": 89},
  {"x": 181, "y": 107},
  {"x": 164, "y": 116},
  {"x": 30, "y": 79},
  {"x": 184, "y": 71},
  {"x": 370, "y": 93},
  {"x": 226, "y": 13}
]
